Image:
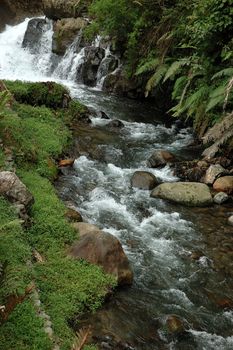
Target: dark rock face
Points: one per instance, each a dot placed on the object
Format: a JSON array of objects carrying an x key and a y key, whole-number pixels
[
  {"x": 87, "y": 72},
  {"x": 35, "y": 29},
  {"x": 101, "y": 248},
  {"x": 143, "y": 180},
  {"x": 13, "y": 12},
  {"x": 57, "y": 9},
  {"x": 190, "y": 170},
  {"x": 115, "y": 123},
  {"x": 119, "y": 84}
]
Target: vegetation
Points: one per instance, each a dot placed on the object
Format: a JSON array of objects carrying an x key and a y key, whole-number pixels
[
  {"x": 36, "y": 136},
  {"x": 182, "y": 47}
]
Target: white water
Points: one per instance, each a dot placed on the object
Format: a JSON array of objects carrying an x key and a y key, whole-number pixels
[{"x": 104, "y": 197}]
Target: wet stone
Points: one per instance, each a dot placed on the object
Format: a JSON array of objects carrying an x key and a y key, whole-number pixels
[{"x": 220, "y": 198}]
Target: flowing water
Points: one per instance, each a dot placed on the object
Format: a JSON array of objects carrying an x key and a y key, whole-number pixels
[{"x": 159, "y": 238}]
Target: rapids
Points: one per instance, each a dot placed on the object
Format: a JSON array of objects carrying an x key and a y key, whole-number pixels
[{"x": 158, "y": 237}]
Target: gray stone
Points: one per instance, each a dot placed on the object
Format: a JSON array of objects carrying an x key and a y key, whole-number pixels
[
  {"x": 212, "y": 173},
  {"x": 191, "y": 194},
  {"x": 220, "y": 198},
  {"x": 143, "y": 180}
]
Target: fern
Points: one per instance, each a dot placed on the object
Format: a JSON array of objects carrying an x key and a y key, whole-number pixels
[
  {"x": 81, "y": 338},
  {"x": 227, "y": 72},
  {"x": 156, "y": 78},
  {"x": 175, "y": 67},
  {"x": 148, "y": 66},
  {"x": 179, "y": 86}
]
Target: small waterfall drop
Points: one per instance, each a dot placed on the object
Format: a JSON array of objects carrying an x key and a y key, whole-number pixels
[{"x": 19, "y": 63}]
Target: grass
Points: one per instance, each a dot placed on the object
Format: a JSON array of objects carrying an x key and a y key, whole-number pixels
[
  {"x": 67, "y": 287},
  {"x": 37, "y": 133},
  {"x": 36, "y": 136}
]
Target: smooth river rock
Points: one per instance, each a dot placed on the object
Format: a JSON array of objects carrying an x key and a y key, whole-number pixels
[
  {"x": 212, "y": 173},
  {"x": 192, "y": 194},
  {"x": 103, "y": 249},
  {"x": 160, "y": 158},
  {"x": 220, "y": 198},
  {"x": 224, "y": 184},
  {"x": 143, "y": 180}
]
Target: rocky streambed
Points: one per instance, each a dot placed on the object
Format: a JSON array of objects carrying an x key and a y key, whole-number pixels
[{"x": 179, "y": 243}]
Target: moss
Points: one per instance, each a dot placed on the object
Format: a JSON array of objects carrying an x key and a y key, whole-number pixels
[
  {"x": 67, "y": 287},
  {"x": 49, "y": 94},
  {"x": 2, "y": 158},
  {"x": 14, "y": 253},
  {"x": 36, "y": 136},
  {"x": 24, "y": 330}
]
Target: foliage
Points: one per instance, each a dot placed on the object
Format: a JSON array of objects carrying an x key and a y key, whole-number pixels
[{"x": 176, "y": 45}]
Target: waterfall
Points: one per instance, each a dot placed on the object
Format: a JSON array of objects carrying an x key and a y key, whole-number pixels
[
  {"x": 88, "y": 65},
  {"x": 17, "y": 62}
]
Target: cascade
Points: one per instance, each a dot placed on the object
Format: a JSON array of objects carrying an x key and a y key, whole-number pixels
[{"x": 17, "y": 62}]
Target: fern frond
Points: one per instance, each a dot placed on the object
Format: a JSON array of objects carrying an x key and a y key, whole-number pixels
[
  {"x": 148, "y": 66},
  {"x": 227, "y": 72},
  {"x": 155, "y": 78},
  {"x": 81, "y": 338},
  {"x": 175, "y": 67},
  {"x": 179, "y": 86}
]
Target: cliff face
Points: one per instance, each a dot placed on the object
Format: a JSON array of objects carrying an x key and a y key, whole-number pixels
[{"x": 12, "y": 12}]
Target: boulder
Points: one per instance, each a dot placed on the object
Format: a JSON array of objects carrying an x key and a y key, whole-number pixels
[
  {"x": 65, "y": 31},
  {"x": 115, "y": 123},
  {"x": 192, "y": 194},
  {"x": 160, "y": 158},
  {"x": 224, "y": 184},
  {"x": 35, "y": 29},
  {"x": 143, "y": 180},
  {"x": 14, "y": 190},
  {"x": 87, "y": 72},
  {"x": 220, "y": 198},
  {"x": 212, "y": 173},
  {"x": 103, "y": 249},
  {"x": 102, "y": 115},
  {"x": 230, "y": 220},
  {"x": 57, "y": 9}
]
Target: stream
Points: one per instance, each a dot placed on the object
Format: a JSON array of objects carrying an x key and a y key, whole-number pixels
[{"x": 182, "y": 258}]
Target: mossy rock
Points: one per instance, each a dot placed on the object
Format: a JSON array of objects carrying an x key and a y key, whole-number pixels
[{"x": 49, "y": 94}]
